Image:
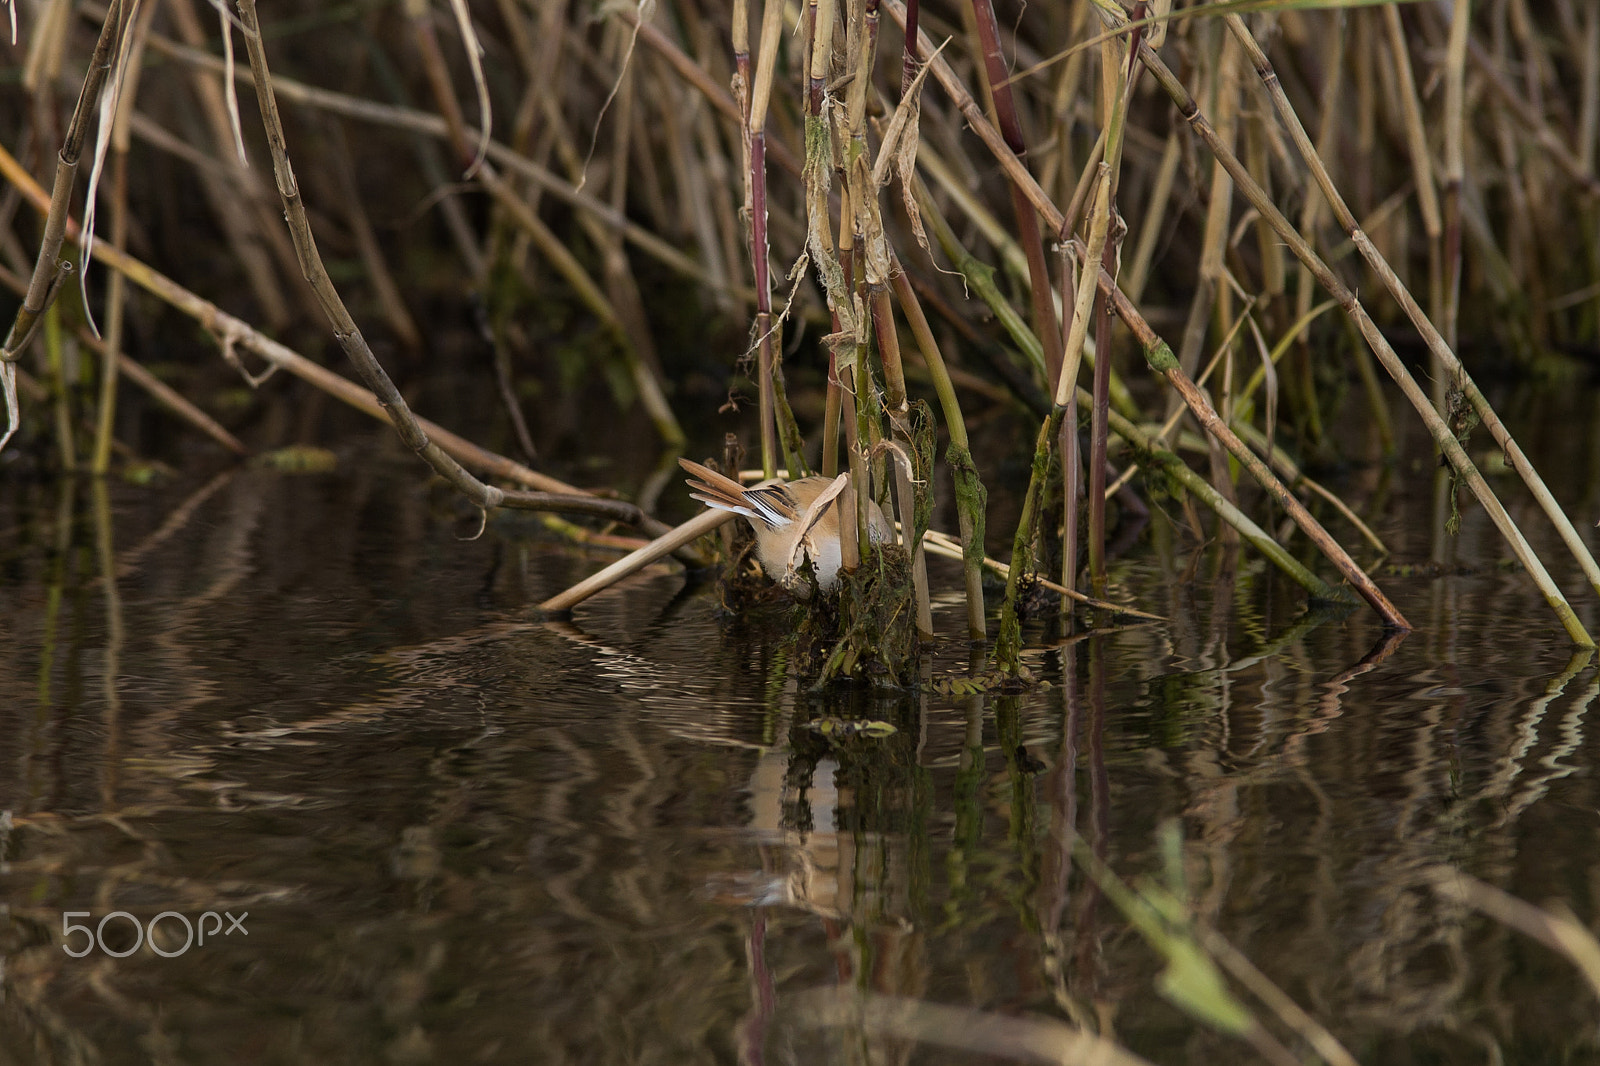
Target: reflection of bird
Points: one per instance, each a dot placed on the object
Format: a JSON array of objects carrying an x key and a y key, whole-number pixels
[
  {"x": 1027, "y": 763},
  {"x": 780, "y": 516}
]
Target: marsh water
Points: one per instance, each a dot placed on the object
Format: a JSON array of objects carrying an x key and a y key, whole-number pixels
[{"x": 444, "y": 829}]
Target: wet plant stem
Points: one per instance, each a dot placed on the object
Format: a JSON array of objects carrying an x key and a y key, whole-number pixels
[
  {"x": 1008, "y": 645},
  {"x": 1102, "y": 250},
  {"x": 969, "y": 499},
  {"x": 1083, "y": 312},
  {"x": 898, "y": 410},
  {"x": 60, "y": 388}
]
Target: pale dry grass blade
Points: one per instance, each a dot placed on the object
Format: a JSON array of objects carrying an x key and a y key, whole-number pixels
[
  {"x": 109, "y": 98},
  {"x": 474, "y": 50}
]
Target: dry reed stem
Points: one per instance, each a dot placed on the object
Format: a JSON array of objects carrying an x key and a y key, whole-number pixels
[
  {"x": 1436, "y": 346},
  {"x": 234, "y": 332},
  {"x": 1441, "y": 433},
  {"x": 116, "y": 291},
  {"x": 1152, "y": 220},
  {"x": 45, "y": 282},
  {"x": 995, "y": 76},
  {"x": 1455, "y": 167},
  {"x": 1589, "y": 99},
  {"x": 259, "y": 245},
  {"x": 1162, "y": 361},
  {"x": 1101, "y": 210},
  {"x": 754, "y": 137},
  {"x": 116, "y": 307},
  {"x": 1254, "y": 534},
  {"x": 1560, "y": 930},
  {"x": 432, "y": 125},
  {"x": 345, "y": 330},
  {"x": 659, "y": 548},
  {"x": 949, "y": 547},
  {"x": 1533, "y": 121},
  {"x": 691, "y": 72},
  {"x": 1116, "y": 89}
]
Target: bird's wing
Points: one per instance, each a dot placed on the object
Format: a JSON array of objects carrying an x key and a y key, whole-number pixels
[{"x": 815, "y": 510}]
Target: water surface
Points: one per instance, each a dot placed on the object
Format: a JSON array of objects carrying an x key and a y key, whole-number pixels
[{"x": 458, "y": 832}]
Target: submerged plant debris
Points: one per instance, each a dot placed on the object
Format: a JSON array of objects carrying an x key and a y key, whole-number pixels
[{"x": 868, "y": 630}]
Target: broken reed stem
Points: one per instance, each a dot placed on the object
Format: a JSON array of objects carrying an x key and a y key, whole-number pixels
[
  {"x": 911, "y": 62},
  {"x": 662, "y": 546},
  {"x": 47, "y": 270}
]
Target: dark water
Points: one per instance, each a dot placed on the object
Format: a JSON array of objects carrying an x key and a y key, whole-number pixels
[{"x": 453, "y": 832}]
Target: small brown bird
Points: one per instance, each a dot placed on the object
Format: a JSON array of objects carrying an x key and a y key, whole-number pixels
[{"x": 792, "y": 520}]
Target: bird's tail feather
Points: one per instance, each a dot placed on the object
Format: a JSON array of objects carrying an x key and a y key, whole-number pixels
[{"x": 718, "y": 491}]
